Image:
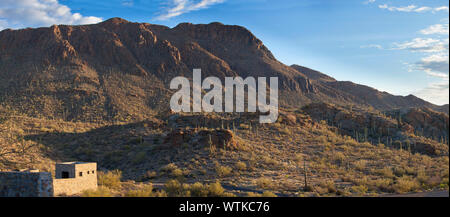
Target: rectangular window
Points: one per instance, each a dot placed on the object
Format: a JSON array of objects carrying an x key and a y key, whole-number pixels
[{"x": 81, "y": 174}]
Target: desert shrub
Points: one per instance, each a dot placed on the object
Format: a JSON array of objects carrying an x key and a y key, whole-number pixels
[
  {"x": 264, "y": 183},
  {"x": 175, "y": 189},
  {"x": 169, "y": 168},
  {"x": 149, "y": 175},
  {"x": 177, "y": 172},
  {"x": 269, "y": 161},
  {"x": 160, "y": 193},
  {"x": 399, "y": 171},
  {"x": 381, "y": 185},
  {"x": 223, "y": 171},
  {"x": 320, "y": 190},
  {"x": 99, "y": 192},
  {"x": 216, "y": 190},
  {"x": 268, "y": 194},
  {"x": 241, "y": 166},
  {"x": 329, "y": 186},
  {"x": 405, "y": 184},
  {"x": 422, "y": 177},
  {"x": 298, "y": 158},
  {"x": 360, "y": 165},
  {"x": 339, "y": 157},
  {"x": 385, "y": 172},
  {"x": 359, "y": 189},
  {"x": 444, "y": 183},
  {"x": 110, "y": 179},
  {"x": 146, "y": 191},
  {"x": 253, "y": 194},
  {"x": 199, "y": 190}
]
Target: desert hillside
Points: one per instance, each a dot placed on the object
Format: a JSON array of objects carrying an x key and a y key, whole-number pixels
[{"x": 100, "y": 93}]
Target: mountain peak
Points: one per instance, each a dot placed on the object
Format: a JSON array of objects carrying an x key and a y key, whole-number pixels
[{"x": 115, "y": 21}]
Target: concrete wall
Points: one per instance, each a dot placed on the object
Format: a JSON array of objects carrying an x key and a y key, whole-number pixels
[
  {"x": 26, "y": 184},
  {"x": 73, "y": 186},
  {"x": 83, "y": 176}
]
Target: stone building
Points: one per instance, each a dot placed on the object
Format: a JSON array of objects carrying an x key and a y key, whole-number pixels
[{"x": 70, "y": 178}]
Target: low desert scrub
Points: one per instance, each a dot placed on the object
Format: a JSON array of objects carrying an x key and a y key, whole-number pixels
[
  {"x": 359, "y": 189},
  {"x": 110, "y": 179},
  {"x": 99, "y": 192},
  {"x": 264, "y": 183},
  {"x": 223, "y": 171},
  {"x": 176, "y": 189},
  {"x": 385, "y": 172},
  {"x": 330, "y": 186},
  {"x": 146, "y": 191},
  {"x": 264, "y": 194},
  {"x": 241, "y": 166},
  {"x": 360, "y": 165},
  {"x": 405, "y": 184}
]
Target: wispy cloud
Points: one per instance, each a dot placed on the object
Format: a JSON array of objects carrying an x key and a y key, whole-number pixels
[
  {"x": 435, "y": 62},
  {"x": 34, "y": 13},
  {"x": 128, "y": 3},
  {"x": 436, "y": 65},
  {"x": 437, "y": 93},
  {"x": 369, "y": 2},
  {"x": 414, "y": 8},
  {"x": 179, "y": 7},
  {"x": 424, "y": 45},
  {"x": 377, "y": 46},
  {"x": 440, "y": 29}
]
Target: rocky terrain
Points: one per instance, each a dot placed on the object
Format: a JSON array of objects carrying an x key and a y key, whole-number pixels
[{"x": 100, "y": 93}]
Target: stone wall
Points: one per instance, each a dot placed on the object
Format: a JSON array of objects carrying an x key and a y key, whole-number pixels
[
  {"x": 26, "y": 184},
  {"x": 82, "y": 176},
  {"x": 73, "y": 186}
]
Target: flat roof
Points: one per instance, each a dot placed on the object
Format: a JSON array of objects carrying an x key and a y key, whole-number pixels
[{"x": 71, "y": 163}]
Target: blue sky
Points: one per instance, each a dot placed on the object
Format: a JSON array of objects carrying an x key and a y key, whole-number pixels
[{"x": 398, "y": 46}]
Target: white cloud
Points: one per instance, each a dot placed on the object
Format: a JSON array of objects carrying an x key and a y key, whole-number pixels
[
  {"x": 437, "y": 93},
  {"x": 441, "y": 29},
  {"x": 369, "y": 2},
  {"x": 436, "y": 65},
  {"x": 35, "y": 13},
  {"x": 443, "y": 8},
  {"x": 424, "y": 45},
  {"x": 414, "y": 8},
  {"x": 436, "y": 62},
  {"x": 377, "y": 46},
  {"x": 128, "y": 3},
  {"x": 179, "y": 7}
]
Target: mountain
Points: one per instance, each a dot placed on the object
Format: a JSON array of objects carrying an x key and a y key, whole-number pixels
[
  {"x": 120, "y": 70},
  {"x": 364, "y": 95},
  {"x": 99, "y": 93}
]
